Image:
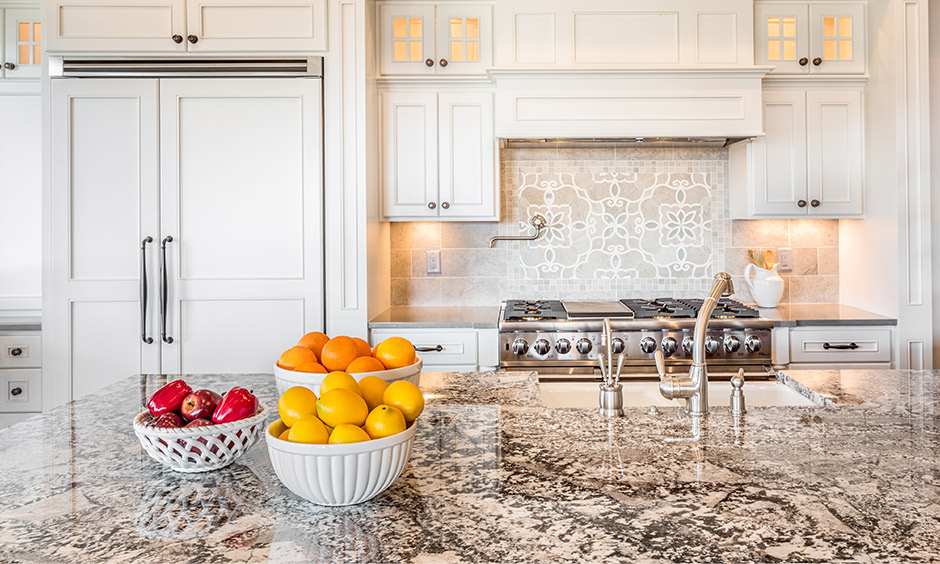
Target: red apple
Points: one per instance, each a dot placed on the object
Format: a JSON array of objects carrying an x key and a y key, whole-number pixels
[
  {"x": 168, "y": 420},
  {"x": 201, "y": 422},
  {"x": 200, "y": 404}
]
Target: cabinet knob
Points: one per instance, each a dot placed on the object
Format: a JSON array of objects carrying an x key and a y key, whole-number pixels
[
  {"x": 804, "y": 61},
  {"x": 429, "y": 63},
  {"x": 16, "y": 352},
  {"x": 443, "y": 62},
  {"x": 817, "y": 61},
  {"x": 177, "y": 39},
  {"x": 9, "y": 66},
  {"x": 801, "y": 203},
  {"x": 815, "y": 203},
  {"x": 445, "y": 205},
  {"x": 432, "y": 205},
  {"x": 193, "y": 39},
  {"x": 16, "y": 391}
]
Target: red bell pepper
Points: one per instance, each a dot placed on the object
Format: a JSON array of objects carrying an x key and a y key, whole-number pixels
[
  {"x": 237, "y": 404},
  {"x": 168, "y": 398}
]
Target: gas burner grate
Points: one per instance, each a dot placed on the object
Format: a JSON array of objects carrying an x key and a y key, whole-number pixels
[
  {"x": 533, "y": 310},
  {"x": 672, "y": 308}
]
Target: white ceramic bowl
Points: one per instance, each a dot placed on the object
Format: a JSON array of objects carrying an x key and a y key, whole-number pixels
[
  {"x": 286, "y": 379},
  {"x": 344, "y": 474}
]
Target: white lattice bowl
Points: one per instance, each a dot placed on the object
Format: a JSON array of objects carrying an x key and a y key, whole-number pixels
[
  {"x": 200, "y": 449},
  {"x": 286, "y": 379},
  {"x": 343, "y": 474}
]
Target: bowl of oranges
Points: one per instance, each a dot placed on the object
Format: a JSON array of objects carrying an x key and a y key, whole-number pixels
[
  {"x": 347, "y": 444},
  {"x": 315, "y": 355}
]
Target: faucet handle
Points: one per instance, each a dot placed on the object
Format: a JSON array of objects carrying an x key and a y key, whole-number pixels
[{"x": 660, "y": 363}]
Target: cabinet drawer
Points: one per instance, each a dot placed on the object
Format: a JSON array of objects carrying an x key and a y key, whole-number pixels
[
  {"x": 840, "y": 345},
  {"x": 20, "y": 352},
  {"x": 115, "y": 26},
  {"x": 20, "y": 390},
  {"x": 457, "y": 347}
]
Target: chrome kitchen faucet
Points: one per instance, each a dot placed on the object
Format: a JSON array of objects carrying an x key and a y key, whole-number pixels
[{"x": 694, "y": 387}]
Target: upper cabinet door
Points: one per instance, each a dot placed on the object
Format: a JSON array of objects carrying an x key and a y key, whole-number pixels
[
  {"x": 23, "y": 46},
  {"x": 782, "y": 37},
  {"x": 406, "y": 39},
  {"x": 251, "y": 25},
  {"x": 467, "y": 155},
  {"x": 125, "y": 26},
  {"x": 464, "y": 39},
  {"x": 834, "y": 152},
  {"x": 779, "y": 158},
  {"x": 837, "y": 38},
  {"x": 409, "y": 154}
]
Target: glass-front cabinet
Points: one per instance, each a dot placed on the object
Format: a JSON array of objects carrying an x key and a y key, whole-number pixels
[
  {"x": 22, "y": 43},
  {"x": 812, "y": 38},
  {"x": 435, "y": 40}
]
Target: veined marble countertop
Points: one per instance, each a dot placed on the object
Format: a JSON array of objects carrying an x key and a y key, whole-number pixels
[
  {"x": 793, "y": 315},
  {"x": 416, "y": 317},
  {"x": 495, "y": 477}
]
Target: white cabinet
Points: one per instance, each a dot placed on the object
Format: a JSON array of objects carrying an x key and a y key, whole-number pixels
[
  {"x": 840, "y": 348},
  {"x": 181, "y": 26},
  {"x": 428, "y": 39},
  {"x": 439, "y": 156},
  {"x": 811, "y": 38},
  {"x": 20, "y": 375},
  {"x": 211, "y": 184},
  {"x": 20, "y": 43},
  {"x": 810, "y": 161},
  {"x": 449, "y": 350}
]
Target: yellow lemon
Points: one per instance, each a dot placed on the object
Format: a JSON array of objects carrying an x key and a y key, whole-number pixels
[
  {"x": 347, "y": 433},
  {"x": 342, "y": 380},
  {"x": 295, "y": 403},
  {"x": 372, "y": 389},
  {"x": 308, "y": 429},
  {"x": 406, "y": 397},
  {"x": 384, "y": 421},
  {"x": 284, "y": 436},
  {"x": 340, "y": 406}
]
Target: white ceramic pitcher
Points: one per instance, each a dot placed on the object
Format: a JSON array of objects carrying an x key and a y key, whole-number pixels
[{"x": 766, "y": 285}]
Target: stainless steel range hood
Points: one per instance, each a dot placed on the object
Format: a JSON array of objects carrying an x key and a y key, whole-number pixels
[{"x": 627, "y": 142}]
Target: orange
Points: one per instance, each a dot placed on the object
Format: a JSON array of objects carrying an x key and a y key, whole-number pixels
[
  {"x": 312, "y": 367},
  {"x": 339, "y": 379},
  {"x": 295, "y": 403},
  {"x": 372, "y": 388},
  {"x": 405, "y": 396},
  {"x": 340, "y": 406},
  {"x": 283, "y": 436},
  {"x": 295, "y": 356},
  {"x": 384, "y": 421},
  {"x": 395, "y": 352},
  {"x": 314, "y": 341},
  {"x": 365, "y": 364},
  {"x": 338, "y": 352},
  {"x": 364, "y": 348}
]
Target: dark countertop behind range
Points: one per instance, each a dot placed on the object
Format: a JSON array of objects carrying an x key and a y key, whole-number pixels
[
  {"x": 821, "y": 315},
  {"x": 417, "y": 317},
  {"x": 21, "y": 323}
]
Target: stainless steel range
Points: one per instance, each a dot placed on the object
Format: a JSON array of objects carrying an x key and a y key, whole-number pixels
[{"x": 561, "y": 339}]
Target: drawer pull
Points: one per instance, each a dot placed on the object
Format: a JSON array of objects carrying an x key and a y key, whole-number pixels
[
  {"x": 16, "y": 391},
  {"x": 438, "y": 348},
  {"x": 848, "y": 347},
  {"x": 16, "y": 351}
]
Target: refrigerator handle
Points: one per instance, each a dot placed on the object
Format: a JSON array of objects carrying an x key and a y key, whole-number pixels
[
  {"x": 143, "y": 290},
  {"x": 163, "y": 291}
]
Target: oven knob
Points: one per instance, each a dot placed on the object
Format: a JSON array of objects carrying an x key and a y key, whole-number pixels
[
  {"x": 711, "y": 345},
  {"x": 669, "y": 345},
  {"x": 520, "y": 346},
  {"x": 687, "y": 345},
  {"x": 542, "y": 346},
  {"x": 584, "y": 346},
  {"x": 732, "y": 344},
  {"x": 617, "y": 346},
  {"x": 563, "y": 346},
  {"x": 647, "y": 345},
  {"x": 753, "y": 344}
]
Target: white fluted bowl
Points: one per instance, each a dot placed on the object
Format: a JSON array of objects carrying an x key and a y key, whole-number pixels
[
  {"x": 344, "y": 474},
  {"x": 286, "y": 379}
]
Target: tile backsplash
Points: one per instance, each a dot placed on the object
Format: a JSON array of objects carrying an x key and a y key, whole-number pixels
[{"x": 622, "y": 223}]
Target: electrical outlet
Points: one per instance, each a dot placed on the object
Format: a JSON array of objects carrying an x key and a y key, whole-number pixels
[
  {"x": 434, "y": 262},
  {"x": 785, "y": 257}
]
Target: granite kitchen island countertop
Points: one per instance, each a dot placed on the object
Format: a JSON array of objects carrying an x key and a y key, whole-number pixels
[{"x": 496, "y": 477}]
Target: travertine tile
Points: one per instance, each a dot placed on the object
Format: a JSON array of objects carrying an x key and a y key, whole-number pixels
[
  {"x": 814, "y": 289},
  {"x": 416, "y": 235},
  {"x": 759, "y": 233},
  {"x": 547, "y": 153},
  {"x": 736, "y": 260},
  {"x": 400, "y": 263},
  {"x": 586, "y": 154},
  {"x": 417, "y": 292},
  {"x": 469, "y": 235},
  {"x": 466, "y": 263},
  {"x": 828, "y": 260},
  {"x": 814, "y": 232},
  {"x": 419, "y": 264},
  {"x": 804, "y": 261},
  {"x": 470, "y": 291}
]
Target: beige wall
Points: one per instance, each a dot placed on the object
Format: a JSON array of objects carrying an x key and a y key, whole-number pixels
[{"x": 624, "y": 223}]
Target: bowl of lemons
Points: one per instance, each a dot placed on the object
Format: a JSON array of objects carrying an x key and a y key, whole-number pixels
[
  {"x": 316, "y": 355},
  {"x": 346, "y": 444}
]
